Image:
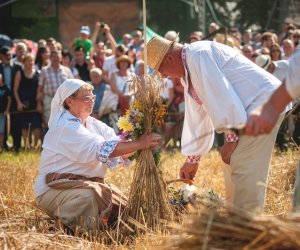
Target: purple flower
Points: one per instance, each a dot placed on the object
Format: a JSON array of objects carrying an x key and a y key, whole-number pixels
[{"x": 125, "y": 135}]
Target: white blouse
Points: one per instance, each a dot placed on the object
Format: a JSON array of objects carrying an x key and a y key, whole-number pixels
[
  {"x": 122, "y": 82},
  {"x": 229, "y": 86},
  {"x": 293, "y": 75},
  {"x": 70, "y": 147}
]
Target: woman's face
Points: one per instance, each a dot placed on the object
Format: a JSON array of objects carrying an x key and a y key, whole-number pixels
[
  {"x": 82, "y": 104},
  {"x": 28, "y": 63},
  {"x": 65, "y": 60},
  {"x": 275, "y": 53},
  {"x": 123, "y": 65}
]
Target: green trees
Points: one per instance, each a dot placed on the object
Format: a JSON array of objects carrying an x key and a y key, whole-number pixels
[{"x": 182, "y": 15}]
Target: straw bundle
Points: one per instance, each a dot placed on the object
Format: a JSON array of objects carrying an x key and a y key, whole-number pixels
[
  {"x": 230, "y": 228},
  {"x": 148, "y": 203}
]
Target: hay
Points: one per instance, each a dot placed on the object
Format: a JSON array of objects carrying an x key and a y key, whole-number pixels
[
  {"x": 29, "y": 227},
  {"x": 216, "y": 226},
  {"x": 148, "y": 204}
]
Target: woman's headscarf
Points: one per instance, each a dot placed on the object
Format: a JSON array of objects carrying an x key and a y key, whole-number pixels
[{"x": 67, "y": 88}]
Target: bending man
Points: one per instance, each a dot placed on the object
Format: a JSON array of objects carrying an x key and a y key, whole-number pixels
[{"x": 221, "y": 88}]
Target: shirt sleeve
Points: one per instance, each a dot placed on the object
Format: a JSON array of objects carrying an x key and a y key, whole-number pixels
[
  {"x": 109, "y": 145},
  {"x": 105, "y": 65},
  {"x": 217, "y": 94},
  {"x": 293, "y": 76},
  {"x": 41, "y": 77},
  {"x": 105, "y": 131},
  {"x": 198, "y": 131}
]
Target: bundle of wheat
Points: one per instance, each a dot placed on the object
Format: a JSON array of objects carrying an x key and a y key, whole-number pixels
[
  {"x": 148, "y": 204},
  {"x": 220, "y": 227}
]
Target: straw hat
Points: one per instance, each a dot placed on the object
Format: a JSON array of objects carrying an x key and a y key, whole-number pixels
[
  {"x": 123, "y": 58},
  {"x": 263, "y": 61},
  {"x": 157, "y": 48},
  {"x": 229, "y": 40}
]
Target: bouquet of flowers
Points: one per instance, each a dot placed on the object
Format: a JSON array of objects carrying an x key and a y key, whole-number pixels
[
  {"x": 132, "y": 123},
  {"x": 148, "y": 201}
]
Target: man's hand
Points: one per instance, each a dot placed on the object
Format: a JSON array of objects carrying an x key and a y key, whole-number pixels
[
  {"x": 227, "y": 150},
  {"x": 261, "y": 120},
  {"x": 188, "y": 171}
]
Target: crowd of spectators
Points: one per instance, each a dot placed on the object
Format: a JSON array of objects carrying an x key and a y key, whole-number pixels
[{"x": 30, "y": 76}]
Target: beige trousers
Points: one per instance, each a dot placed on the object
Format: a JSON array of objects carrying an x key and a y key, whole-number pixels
[
  {"x": 247, "y": 176},
  {"x": 72, "y": 206}
]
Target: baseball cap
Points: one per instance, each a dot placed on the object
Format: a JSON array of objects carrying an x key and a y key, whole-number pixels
[{"x": 85, "y": 30}]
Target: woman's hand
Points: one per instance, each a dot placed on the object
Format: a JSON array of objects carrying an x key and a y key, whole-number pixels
[
  {"x": 20, "y": 106},
  {"x": 227, "y": 150},
  {"x": 39, "y": 108},
  {"x": 145, "y": 141},
  {"x": 149, "y": 140}
]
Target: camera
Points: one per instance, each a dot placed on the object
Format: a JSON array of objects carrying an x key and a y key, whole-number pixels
[{"x": 102, "y": 25}]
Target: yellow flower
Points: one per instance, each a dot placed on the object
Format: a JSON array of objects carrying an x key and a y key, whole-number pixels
[
  {"x": 137, "y": 105},
  {"x": 159, "y": 114},
  {"x": 124, "y": 124}
]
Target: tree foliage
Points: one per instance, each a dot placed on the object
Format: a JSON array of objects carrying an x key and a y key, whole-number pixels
[
  {"x": 253, "y": 12},
  {"x": 164, "y": 15}
]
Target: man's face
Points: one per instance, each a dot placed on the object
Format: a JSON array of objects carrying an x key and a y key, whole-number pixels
[
  {"x": 269, "y": 42},
  {"x": 51, "y": 45},
  {"x": 137, "y": 37},
  {"x": 79, "y": 56},
  {"x": 55, "y": 58},
  {"x": 288, "y": 47},
  {"x": 126, "y": 39},
  {"x": 100, "y": 48},
  {"x": 169, "y": 67},
  {"x": 6, "y": 58},
  {"x": 84, "y": 37},
  {"x": 119, "y": 53},
  {"x": 95, "y": 77}
]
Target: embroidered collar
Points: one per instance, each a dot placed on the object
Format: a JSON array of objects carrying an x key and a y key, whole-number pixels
[{"x": 188, "y": 81}]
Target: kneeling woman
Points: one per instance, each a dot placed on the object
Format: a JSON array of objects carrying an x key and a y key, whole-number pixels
[{"x": 77, "y": 151}]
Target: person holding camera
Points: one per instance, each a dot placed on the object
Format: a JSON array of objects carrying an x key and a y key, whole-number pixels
[
  {"x": 100, "y": 49},
  {"x": 109, "y": 38}
]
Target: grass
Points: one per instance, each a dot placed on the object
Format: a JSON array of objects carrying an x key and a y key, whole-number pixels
[{"x": 23, "y": 226}]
